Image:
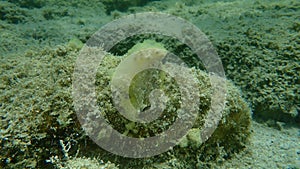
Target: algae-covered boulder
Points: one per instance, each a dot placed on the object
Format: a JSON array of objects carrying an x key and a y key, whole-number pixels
[{"x": 39, "y": 127}]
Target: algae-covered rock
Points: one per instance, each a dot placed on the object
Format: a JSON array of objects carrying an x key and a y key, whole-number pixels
[
  {"x": 259, "y": 53},
  {"x": 39, "y": 122},
  {"x": 267, "y": 70}
]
